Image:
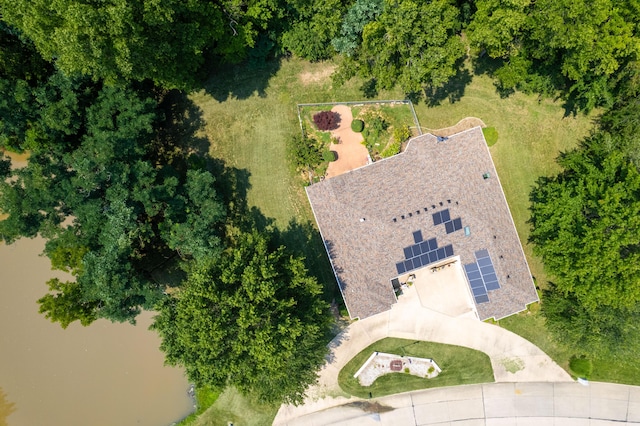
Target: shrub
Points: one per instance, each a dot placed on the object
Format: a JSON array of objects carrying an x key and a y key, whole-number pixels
[
  {"x": 326, "y": 120},
  {"x": 401, "y": 134},
  {"x": 406, "y": 370},
  {"x": 431, "y": 369},
  {"x": 490, "y": 135},
  {"x": 328, "y": 155},
  {"x": 391, "y": 150},
  {"x": 581, "y": 367},
  {"x": 375, "y": 127},
  {"x": 357, "y": 125}
]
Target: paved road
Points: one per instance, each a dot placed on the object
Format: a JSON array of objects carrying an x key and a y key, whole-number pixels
[{"x": 495, "y": 404}]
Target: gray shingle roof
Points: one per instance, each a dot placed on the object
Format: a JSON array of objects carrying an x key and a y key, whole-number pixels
[{"x": 355, "y": 213}]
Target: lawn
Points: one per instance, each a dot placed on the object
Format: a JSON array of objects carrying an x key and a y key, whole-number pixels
[
  {"x": 460, "y": 366},
  {"x": 530, "y": 325},
  {"x": 232, "y": 407}
]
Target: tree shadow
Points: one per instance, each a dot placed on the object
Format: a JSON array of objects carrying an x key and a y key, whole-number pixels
[
  {"x": 178, "y": 124},
  {"x": 241, "y": 81},
  {"x": 453, "y": 89},
  {"x": 304, "y": 239}
]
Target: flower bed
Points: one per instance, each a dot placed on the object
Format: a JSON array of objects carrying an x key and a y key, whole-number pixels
[{"x": 380, "y": 363}]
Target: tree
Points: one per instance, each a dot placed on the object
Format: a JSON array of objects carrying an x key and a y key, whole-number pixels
[
  {"x": 576, "y": 47},
  {"x": 252, "y": 318},
  {"x": 586, "y": 227},
  {"x": 305, "y": 154},
  {"x": 116, "y": 39},
  {"x": 360, "y": 14},
  {"x": 310, "y": 36},
  {"x": 111, "y": 214},
  {"x": 412, "y": 45}
]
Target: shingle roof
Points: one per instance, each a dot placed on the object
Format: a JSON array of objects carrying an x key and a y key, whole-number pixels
[{"x": 355, "y": 213}]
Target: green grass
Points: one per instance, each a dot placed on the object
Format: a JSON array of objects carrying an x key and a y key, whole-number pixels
[
  {"x": 581, "y": 366},
  {"x": 232, "y": 407},
  {"x": 460, "y": 366},
  {"x": 205, "y": 398},
  {"x": 490, "y": 135},
  {"x": 531, "y": 325}
]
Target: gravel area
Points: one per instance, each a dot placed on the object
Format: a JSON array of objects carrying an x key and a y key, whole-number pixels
[{"x": 379, "y": 364}]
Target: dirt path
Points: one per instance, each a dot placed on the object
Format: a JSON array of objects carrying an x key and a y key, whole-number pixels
[{"x": 351, "y": 153}]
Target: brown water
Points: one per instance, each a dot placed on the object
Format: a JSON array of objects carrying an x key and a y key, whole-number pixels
[{"x": 104, "y": 374}]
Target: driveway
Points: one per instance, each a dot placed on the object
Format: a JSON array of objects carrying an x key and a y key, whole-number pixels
[
  {"x": 513, "y": 358},
  {"x": 498, "y": 404}
]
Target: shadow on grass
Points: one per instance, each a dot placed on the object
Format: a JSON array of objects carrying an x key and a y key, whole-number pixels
[
  {"x": 453, "y": 90},
  {"x": 241, "y": 81}
]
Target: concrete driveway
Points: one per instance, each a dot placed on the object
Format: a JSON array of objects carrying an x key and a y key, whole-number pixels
[
  {"x": 513, "y": 358},
  {"x": 496, "y": 404}
]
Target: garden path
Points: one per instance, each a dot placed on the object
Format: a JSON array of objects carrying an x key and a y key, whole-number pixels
[{"x": 351, "y": 153}]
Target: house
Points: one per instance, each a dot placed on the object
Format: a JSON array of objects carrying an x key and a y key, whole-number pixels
[{"x": 438, "y": 201}]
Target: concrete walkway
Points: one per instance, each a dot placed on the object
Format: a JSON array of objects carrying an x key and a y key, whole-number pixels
[
  {"x": 496, "y": 404},
  {"x": 351, "y": 153},
  {"x": 513, "y": 358}
]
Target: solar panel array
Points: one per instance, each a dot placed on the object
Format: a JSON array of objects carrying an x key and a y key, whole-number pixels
[
  {"x": 444, "y": 217},
  {"x": 422, "y": 254},
  {"x": 482, "y": 276}
]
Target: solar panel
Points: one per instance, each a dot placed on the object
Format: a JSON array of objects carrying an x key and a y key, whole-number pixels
[
  {"x": 416, "y": 250},
  {"x": 482, "y": 299},
  {"x": 417, "y": 237},
  {"x": 400, "y": 267},
  {"x": 482, "y": 253},
  {"x": 424, "y": 246},
  {"x": 457, "y": 224},
  {"x": 424, "y": 259},
  {"x": 448, "y": 250},
  {"x": 476, "y": 283},
  {"x": 487, "y": 270},
  {"x": 449, "y": 227},
  {"x": 486, "y": 261},
  {"x": 445, "y": 215},
  {"x": 408, "y": 265},
  {"x": 437, "y": 218},
  {"x": 489, "y": 277},
  {"x": 492, "y": 285},
  {"x": 441, "y": 254},
  {"x": 408, "y": 252},
  {"x": 433, "y": 244},
  {"x": 474, "y": 275},
  {"x": 478, "y": 291},
  {"x": 433, "y": 256},
  {"x": 471, "y": 267}
]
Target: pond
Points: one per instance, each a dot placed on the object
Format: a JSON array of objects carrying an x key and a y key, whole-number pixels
[{"x": 104, "y": 374}]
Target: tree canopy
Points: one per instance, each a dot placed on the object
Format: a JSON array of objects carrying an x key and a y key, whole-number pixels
[
  {"x": 411, "y": 44},
  {"x": 586, "y": 227},
  {"x": 252, "y": 318}
]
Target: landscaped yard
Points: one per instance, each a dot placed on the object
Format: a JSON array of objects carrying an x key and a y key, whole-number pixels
[
  {"x": 248, "y": 116},
  {"x": 460, "y": 366},
  {"x": 386, "y": 125}
]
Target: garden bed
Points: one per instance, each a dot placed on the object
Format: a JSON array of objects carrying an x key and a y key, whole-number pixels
[{"x": 381, "y": 363}]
